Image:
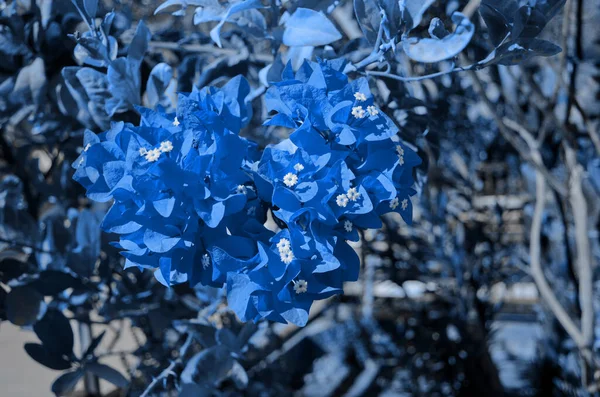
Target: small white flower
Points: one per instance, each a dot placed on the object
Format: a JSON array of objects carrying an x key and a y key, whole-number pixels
[
  {"x": 205, "y": 261},
  {"x": 290, "y": 179},
  {"x": 404, "y": 204},
  {"x": 298, "y": 167},
  {"x": 373, "y": 111},
  {"x": 287, "y": 257},
  {"x": 394, "y": 203},
  {"x": 400, "y": 150},
  {"x": 176, "y": 122},
  {"x": 401, "y": 159},
  {"x": 143, "y": 151},
  {"x": 241, "y": 189},
  {"x": 348, "y": 226},
  {"x": 359, "y": 96},
  {"x": 153, "y": 155},
  {"x": 87, "y": 147},
  {"x": 300, "y": 286},
  {"x": 341, "y": 200},
  {"x": 166, "y": 146},
  {"x": 353, "y": 194},
  {"x": 284, "y": 245},
  {"x": 358, "y": 112}
]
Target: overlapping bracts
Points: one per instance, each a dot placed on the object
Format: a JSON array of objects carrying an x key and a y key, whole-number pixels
[{"x": 191, "y": 200}]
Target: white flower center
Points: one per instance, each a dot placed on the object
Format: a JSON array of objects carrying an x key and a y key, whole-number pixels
[
  {"x": 166, "y": 146},
  {"x": 153, "y": 155},
  {"x": 290, "y": 179},
  {"x": 358, "y": 112},
  {"x": 373, "y": 111},
  {"x": 359, "y": 96},
  {"x": 353, "y": 194},
  {"x": 394, "y": 203},
  {"x": 300, "y": 286},
  {"x": 205, "y": 261},
  {"x": 348, "y": 226},
  {"x": 341, "y": 200},
  {"x": 284, "y": 245},
  {"x": 287, "y": 257}
]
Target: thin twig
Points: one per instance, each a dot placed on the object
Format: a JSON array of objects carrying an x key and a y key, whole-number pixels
[{"x": 169, "y": 370}]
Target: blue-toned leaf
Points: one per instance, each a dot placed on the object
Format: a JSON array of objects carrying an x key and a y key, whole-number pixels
[
  {"x": 437, "y": 30},
  {"x": 412, "y": 11},
  {"x": 435, "y": 50},
  {"x": 309, "y": 28},
  {"x": 42, "y": 356},
  {"x": 65, "y": 383},
  {"x": 53, "y": 282},
  {"x": 91, "y": 7},
  {"x": 215, "y": 33},
  {"x": 368, "y": 16},
  {"x": 498, "y": 17},
  {"x": 139, "y": 44},
  {"x": 159, "y": 79},
  {"x": 107, "y": 373},
  {"x": 124, "y": 85},
  {"x": 24, "y": 306},
  {"x": 516, "y": 51},
  {"x": 209, "y": 367},
  {"x": 55, "y": 333},
  {"x": 92, "y": 347},
  {"x": 159, "y": 242}
]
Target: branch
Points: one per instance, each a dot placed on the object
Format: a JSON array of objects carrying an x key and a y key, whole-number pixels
[
  {"x": 169, "y": 370},
  {"x": 535, "y": 158},
  {"x": 536, "y": 267},
  {"x": 584, "y": 263}
]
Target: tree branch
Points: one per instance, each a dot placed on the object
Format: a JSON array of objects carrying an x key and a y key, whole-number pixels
[{"x": 536, "y": 266}]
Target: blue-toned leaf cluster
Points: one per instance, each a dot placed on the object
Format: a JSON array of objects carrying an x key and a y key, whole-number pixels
[{"x": 190, "y": 195}]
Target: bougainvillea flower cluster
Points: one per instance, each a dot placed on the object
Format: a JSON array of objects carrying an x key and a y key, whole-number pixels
[{"x": 191, "y": 197}]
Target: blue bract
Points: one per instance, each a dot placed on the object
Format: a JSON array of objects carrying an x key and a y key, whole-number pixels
[{"x": 191, "y": 197}]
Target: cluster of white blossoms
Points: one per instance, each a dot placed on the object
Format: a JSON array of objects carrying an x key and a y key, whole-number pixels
[
  {"x": 285, "y": 251},
  {"x": 359, "y": 96},
  {"x": 153, "y": 155},
  {"x": 400, "y": 152},
  {"x": 290, "y": 179},
  {"x": 352, "y": 194},
  {"x": 358, "y": 112},
  {"x": 300, "y": 286},
  {"x": 396, "y": 202}
]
